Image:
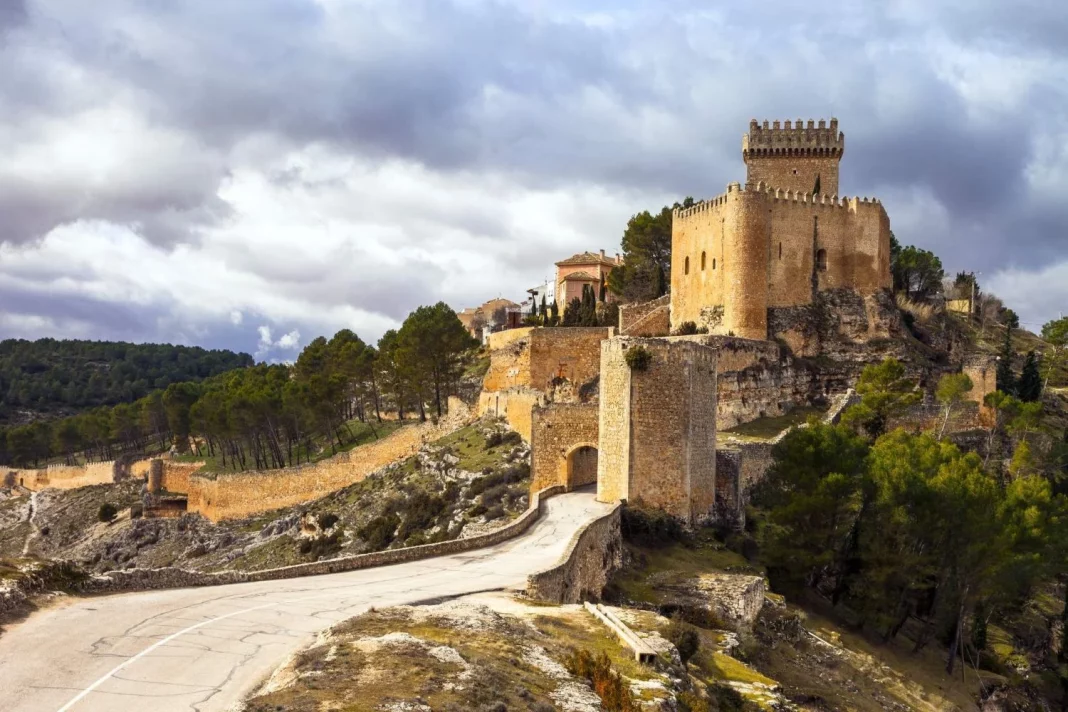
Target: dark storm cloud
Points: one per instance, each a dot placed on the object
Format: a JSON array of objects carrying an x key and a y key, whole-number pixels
[
  {"x": 646, "y": 99},
  {"x": 74, "y": 311},
  {"x": 12, "y": 14}
]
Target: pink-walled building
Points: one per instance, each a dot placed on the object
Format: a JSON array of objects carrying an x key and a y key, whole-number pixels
[{"x": 581, "y": 270}]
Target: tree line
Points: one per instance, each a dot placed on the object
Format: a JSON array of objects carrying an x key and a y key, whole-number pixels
[
  {"x": 268, "y": 416},
  {"x": 902, "y": 527},
  {"x": 48, "y": 376}
]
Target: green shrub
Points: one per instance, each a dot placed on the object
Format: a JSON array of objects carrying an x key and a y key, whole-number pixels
[
  {"x": 320, "y": 546},
  {"x": 638, "y": 358},
  {"x": 495, "y": 512},
  {"x": 686, "y": 328},
  {"x": 420, "y": 511},
  {"x": 107, "y": 512},
  {"x": 327, "y": 520},
  {"x": 477, "y": 511},
  {"x": 380, "y": 531},
  {"x": 614, "y": 692},
  {"x": 651, "y": 527},
  {"x": 494, "y": 496},
  {"x": 685, "y": 638}
]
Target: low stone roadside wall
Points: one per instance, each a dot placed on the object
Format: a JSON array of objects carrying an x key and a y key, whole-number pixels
[
  {"x": 595, "y": 552},
  {"x": 151, "y": 579}
]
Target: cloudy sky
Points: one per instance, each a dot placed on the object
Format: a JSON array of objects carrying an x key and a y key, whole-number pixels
[{"x": 253, "y": 173}]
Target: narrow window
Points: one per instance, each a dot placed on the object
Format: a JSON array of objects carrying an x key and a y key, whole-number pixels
[
  {"x": 686, "y": 266},
  {"x": 713, "y": 263},
  {"x": 702, "y": 261},
  {"x": 780, "y": 250},
  {"x": 821, "y": 260}
]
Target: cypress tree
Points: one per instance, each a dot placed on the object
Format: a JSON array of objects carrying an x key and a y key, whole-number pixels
[
  {"x": 603, "y": 292},
  {"x": 544, "y": 309},
  {"x": 1030, "y": 386},
  {"x": 659, "y": 285},
  {"x": 1006, "y": 382},
  {"x": 554, "y": 316}
]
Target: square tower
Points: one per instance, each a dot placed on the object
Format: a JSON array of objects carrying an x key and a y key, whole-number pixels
[
  {"x": 657, "y": 430},
  {"x": 794, "y": 157}
]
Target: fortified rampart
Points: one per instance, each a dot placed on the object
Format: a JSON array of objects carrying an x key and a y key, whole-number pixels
[
  {"x": 530, "y": 367},
  {"x": 658, "y": 426},
  {"x": 65, "y": 476},
  {"x": 748, "y": 250},
  {"x": 564, "y": 445},
  {"x": 242, "y": 494}
]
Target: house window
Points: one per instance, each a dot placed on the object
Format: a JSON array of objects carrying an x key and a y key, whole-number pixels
[
  {"x": 686, "y": 266},
  {"x": 702, "y": 261},
  {"x": 821, "y": 260}
]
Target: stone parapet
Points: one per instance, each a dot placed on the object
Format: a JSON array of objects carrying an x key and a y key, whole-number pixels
[
  {"x": 171, "y": 577},
  {"x": 594, "y": 553}
]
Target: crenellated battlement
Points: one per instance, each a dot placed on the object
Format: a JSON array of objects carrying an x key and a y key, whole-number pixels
[
  {"x": 777, "y": 195},
  {"x": 798, "y": 139}
]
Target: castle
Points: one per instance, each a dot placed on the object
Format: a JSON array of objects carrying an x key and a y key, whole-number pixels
[
  {"x": 741, "y": 259},
  {"x": 768, "y": 274}
]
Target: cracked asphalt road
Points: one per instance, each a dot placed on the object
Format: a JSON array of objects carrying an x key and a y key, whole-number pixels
[{"x": 206, "y": 648}]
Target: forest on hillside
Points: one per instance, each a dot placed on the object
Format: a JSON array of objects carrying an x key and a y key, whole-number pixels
[
  {"x": 268, "y": 416},
  {"x": 49, "y": 377}
]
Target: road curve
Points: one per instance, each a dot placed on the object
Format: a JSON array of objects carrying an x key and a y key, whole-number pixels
[{"x": 205, "y": 648}]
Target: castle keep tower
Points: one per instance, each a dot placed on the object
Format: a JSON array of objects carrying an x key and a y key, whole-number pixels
[
  {"x": 794, "y": 157},
  {"x": 742, "y": 262}
]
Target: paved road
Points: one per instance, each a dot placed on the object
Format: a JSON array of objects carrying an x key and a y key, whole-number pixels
[{"x": 205, "y": 648}]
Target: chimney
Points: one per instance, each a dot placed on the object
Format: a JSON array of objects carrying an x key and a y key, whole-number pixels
[
  {"x": 619, "y": 259},
  {"x": 602, "y": 254}
]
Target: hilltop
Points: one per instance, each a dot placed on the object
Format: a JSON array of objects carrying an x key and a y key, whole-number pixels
[{"x": 49, "y": 378}]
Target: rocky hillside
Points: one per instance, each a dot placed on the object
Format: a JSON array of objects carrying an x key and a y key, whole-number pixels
[{"x": 472, "y": 480}]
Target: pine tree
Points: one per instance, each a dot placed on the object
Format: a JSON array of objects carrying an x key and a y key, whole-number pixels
[
  {"x": 1006, "y": 382},
  {"x": 1029, "y": 388}
]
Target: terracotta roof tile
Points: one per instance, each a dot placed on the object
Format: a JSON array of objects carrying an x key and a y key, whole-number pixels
[{"x": 586, "y": 258}]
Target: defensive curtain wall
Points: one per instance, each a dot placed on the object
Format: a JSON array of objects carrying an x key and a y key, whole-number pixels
[
  {"x": 529, "y": 364},
  {"x": 739, "y": 254},
  {"x": 233, "y": 495},
  {"x": 64, "y": 476}
]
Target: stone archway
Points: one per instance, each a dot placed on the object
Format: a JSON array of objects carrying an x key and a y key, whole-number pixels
[{"x": 581, "y": 466}]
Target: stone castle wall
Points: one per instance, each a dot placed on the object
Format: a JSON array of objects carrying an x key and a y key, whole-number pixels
[
  {"x": 743, "y": 252},
  {"x": 242, "y": 494},
  {"x": 658, "y": 426},
  {"x": 514, "y": 405},
  {"x": 64, "y": 476},
  {"x": 594, "y": 553},
  {"x": 652, "y": 318},
  {"x": 559, "y": 430}
]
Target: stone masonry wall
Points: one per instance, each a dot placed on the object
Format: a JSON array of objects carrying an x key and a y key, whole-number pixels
[
  {"x": 652, "y": 318},
  {"x": 749, "y": 250},
  {"x": 571, "y": 353},
  {"x": 64, "y": 476},
  {"x": 595, "y": 552},
  {"x": 560, "y": 429},
  {"x": 514, "y": 405},
  {"x": 658, "y": 426},
  {"x": 154, "y": 579},
  {"x": 242, "y": 494}
]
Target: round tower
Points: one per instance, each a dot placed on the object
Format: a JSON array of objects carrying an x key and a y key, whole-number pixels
[{"x": 745, "y": 262}]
